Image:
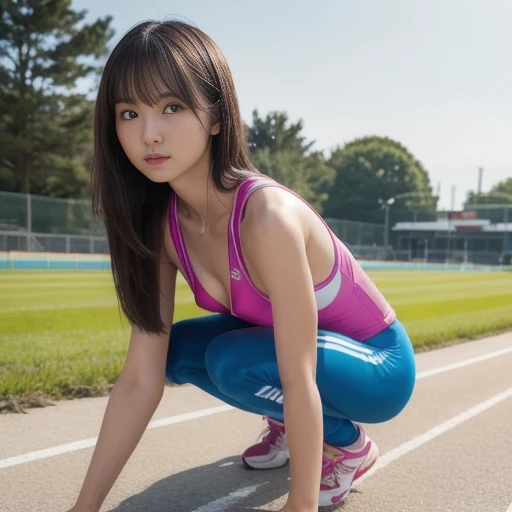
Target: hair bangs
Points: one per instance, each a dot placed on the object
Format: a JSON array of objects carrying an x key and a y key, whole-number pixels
[{"x": 149, "y": 70}]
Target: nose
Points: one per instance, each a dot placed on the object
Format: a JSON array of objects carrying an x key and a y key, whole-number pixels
[{"x": 152, "y": 134}]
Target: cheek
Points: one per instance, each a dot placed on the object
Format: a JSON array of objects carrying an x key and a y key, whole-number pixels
[{"x": 192, "y": 135}]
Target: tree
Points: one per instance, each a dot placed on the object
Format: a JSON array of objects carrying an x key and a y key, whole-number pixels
[
  {"x": 500, "y": 194},
  {"x": 503, "y": 187},
  {"x": 45, "y": 47},
  {"x": 278, "y": 150},
  {"x": 495, "y": 205},
  {"x": 373, "y": 169}
]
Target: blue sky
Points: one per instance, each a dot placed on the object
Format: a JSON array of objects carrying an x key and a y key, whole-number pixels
[{"x": 436, "y": 75}]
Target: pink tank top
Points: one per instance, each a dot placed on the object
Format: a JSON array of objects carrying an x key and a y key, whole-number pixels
[{"x": 347, "y": 301}]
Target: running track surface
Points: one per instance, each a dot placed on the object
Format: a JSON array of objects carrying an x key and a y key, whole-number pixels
[{"x": 449, "y": 451}]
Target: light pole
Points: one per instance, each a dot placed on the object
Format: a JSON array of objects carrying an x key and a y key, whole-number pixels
[{"x": 385, "y": 206}]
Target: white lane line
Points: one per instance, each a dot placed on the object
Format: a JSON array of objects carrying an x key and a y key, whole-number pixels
[
  {"x": 88, "y": 443},
  {"x": 228, "y": 501},
  {"x": 405, "y": 448},
  {"x": 221, "y": 505},
  {"x": 461, "y": 364},
  {"x": 171, "y": 420}
]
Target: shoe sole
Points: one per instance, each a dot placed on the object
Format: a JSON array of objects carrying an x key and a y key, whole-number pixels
[{"x": 279, "y": 460}]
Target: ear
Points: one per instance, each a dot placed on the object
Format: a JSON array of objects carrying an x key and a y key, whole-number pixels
[{"x": 215, "y": 129}]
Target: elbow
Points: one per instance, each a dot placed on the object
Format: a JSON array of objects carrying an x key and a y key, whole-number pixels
[
  {"x": 299, "y": 382},
  {"x": 298, "y": 375}
]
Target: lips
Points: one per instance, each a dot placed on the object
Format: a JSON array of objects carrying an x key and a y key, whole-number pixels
[{"x": 156, "y": 158}]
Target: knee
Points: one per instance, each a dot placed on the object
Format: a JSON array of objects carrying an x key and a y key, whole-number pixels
[
  {"x": 175, "y": 372},
  {"x": 223, "y": 365},
  {"x": 176, "y": 367}
]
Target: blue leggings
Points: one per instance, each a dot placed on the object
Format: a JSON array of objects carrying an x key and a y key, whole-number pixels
[{"x": 236, "y": 362}]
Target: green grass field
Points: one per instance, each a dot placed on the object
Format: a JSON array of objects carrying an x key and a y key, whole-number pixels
[{"x": 61, "y": 333}]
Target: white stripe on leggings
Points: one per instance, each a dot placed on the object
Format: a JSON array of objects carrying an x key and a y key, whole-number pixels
[
  {"x": 374, "y": 359},
  {"x": 333, "y": 339}
]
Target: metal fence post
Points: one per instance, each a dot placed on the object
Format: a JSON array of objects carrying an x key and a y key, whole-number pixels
[
  {"x": 505, "y": 230},
  {"x": 29, "y": 222},
  {"x": 386, "y": 232}
]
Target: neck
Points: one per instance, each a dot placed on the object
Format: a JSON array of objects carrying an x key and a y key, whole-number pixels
[{"x": 200, "y": 201}]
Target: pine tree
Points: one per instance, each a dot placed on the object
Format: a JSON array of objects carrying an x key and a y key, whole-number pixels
[{"x": 45, "y": 125}]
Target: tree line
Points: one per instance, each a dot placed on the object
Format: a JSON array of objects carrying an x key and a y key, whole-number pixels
[{"x": 46, "y": 48}]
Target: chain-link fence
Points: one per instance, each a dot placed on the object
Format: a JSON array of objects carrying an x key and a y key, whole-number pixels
[
  {"x": 365, "y": 240},
  {"x": 433, "y": 256},
  {"x": 356, "y": 233},
  {"x": 42, "y": 224},
  {"x": 41, "y": 242},
  {"x": 35, "y": 223},
  {"x": 37, "y": 214}
]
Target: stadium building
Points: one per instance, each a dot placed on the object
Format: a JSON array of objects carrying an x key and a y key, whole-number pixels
[{"x": 483, "y": 236}]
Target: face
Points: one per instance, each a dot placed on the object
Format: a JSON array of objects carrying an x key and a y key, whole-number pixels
[{"x": 165, "y": 140}]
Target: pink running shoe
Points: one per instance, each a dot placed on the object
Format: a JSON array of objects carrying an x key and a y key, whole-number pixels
[
  {"x": 271, "y": 452},
  {"x": 342, "y": 466}
]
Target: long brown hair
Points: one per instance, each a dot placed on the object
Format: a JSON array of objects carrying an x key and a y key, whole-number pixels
[{"x": 179, "y": 58}]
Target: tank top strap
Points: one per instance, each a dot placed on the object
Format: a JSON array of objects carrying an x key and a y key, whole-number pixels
[
  {"x": 249, "y": 186},
  {"x": 177, "y": 240}
]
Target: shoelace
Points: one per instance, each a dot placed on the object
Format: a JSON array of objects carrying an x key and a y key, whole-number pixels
[
  {"x": 331, "y": 467},
  {"x": 273, "y": 436}
]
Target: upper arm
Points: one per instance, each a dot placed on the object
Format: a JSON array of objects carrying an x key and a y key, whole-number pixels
[
  {"x": 147, "y": 353},
  {"x": 276, "y": 247}
]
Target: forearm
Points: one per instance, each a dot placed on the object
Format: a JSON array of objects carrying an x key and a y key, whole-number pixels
[
  {"x": 304, "y": 430},
  {"x": 127, "y": 415}
]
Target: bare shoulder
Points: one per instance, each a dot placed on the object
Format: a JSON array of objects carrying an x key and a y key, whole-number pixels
[
  {"x": 274, "y": 210},
  {"x": 275, "y": 233},
  {"x": 282, "y": 234}
]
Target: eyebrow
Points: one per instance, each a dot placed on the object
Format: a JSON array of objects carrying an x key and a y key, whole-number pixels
[{"x": 162, "y": 96}]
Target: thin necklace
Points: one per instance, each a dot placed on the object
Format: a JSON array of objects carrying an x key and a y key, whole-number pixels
[{"x": 207, "y": 223}]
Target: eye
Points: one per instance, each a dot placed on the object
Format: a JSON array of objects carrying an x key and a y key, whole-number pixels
[
  {"x": 128, "y": 114},
  {"x": 172, "y": 108}
]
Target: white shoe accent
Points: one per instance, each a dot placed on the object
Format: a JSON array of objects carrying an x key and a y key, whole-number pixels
[
  {"x": 277, "y": 456},
  {"x": 274, "y": 459}
]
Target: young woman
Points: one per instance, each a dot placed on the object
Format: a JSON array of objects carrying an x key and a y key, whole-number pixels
[{"x": 300, "y": 334}]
